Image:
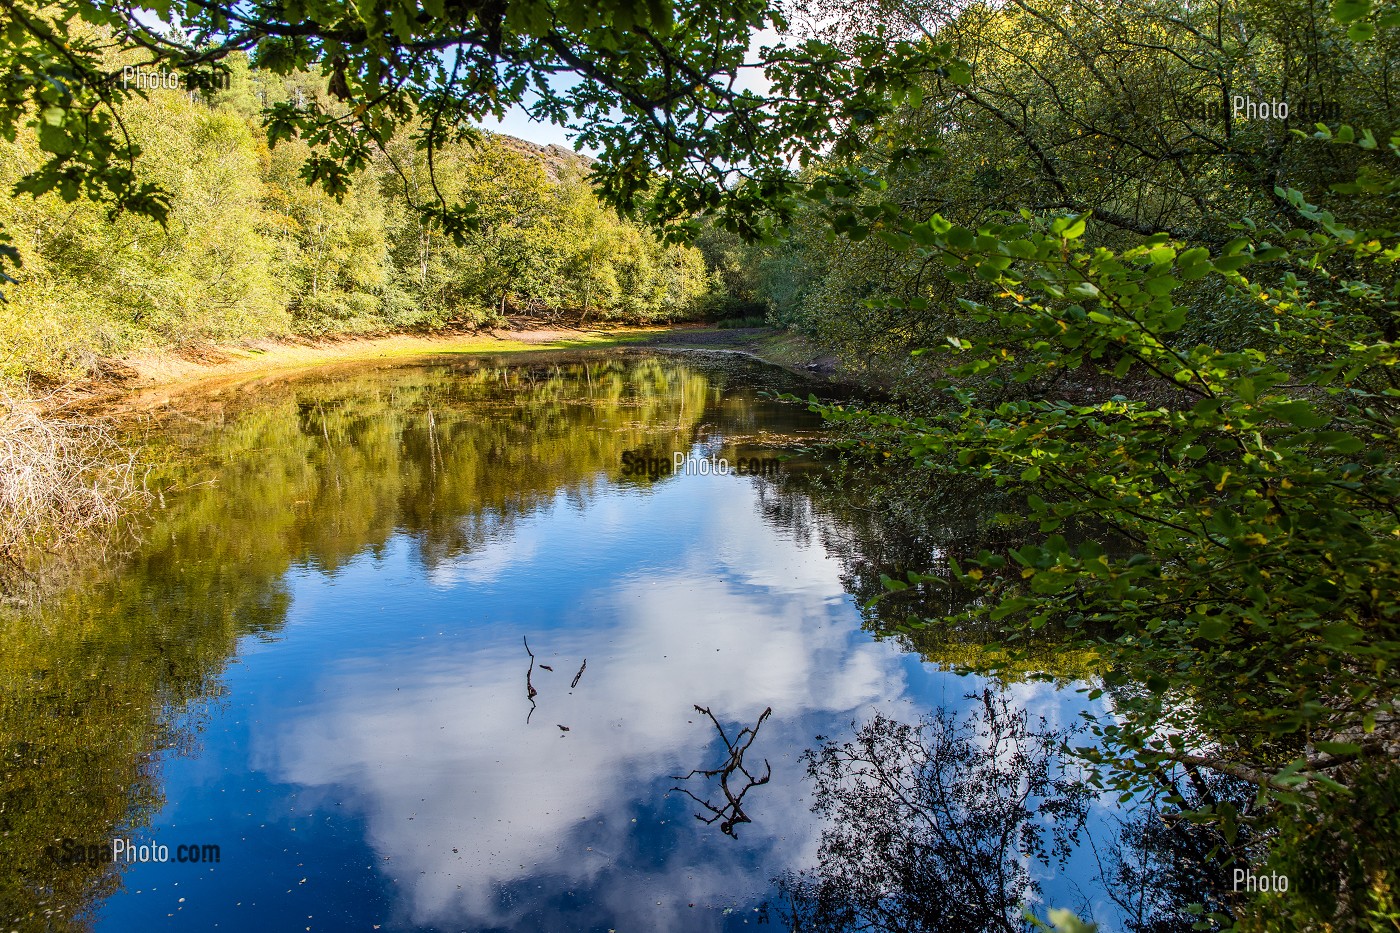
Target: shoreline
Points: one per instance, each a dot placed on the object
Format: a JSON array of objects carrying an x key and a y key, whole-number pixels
[
  {"x": 177, "y": 371},
  {"x": 59, "y": 432},
  {"x": 152, "y": 379}
]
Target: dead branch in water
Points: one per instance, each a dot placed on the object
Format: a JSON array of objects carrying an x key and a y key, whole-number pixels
[
  {"x": 530, "y": 690},
  {"x": 732, "y": 812},
  {"x": 62, "y": 481}
]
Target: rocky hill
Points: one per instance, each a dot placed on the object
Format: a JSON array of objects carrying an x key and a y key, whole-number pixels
[{"x": 556, "y": 158}]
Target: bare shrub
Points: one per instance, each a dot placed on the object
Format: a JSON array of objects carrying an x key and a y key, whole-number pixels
[{"x": 63, "y": 481}]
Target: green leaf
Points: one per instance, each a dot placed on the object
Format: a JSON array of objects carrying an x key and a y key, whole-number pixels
[
  {"x": 1361, "y": 32},
  {"x": 1232, "y": 263},
  {"x": 54, "y": 139},
  {"x": 1341, "y": 442},
  {"x": 958, "y": 73},
  {"x": 1162, "y": 285},
  {"x": 1289, "y": 776},
  {"x": 1338, "y": 748},
  {"x": 1214, "y": 628},
  {"x": 1342, "y": 635},
  {"x": 891, "y": 584},
  {"x": 1349, "y": 11},
  {"x": 1301, "y": 414}
]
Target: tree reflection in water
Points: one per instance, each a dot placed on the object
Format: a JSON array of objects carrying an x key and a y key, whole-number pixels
[
  {"x": 944, "y": 825},
  {"x": 1166, "y": 873},
  {"x": 937, "y": 825},
  {"x": 308, "y": 474}
]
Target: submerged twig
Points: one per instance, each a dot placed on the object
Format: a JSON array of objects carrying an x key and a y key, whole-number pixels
[
  {"x": 579, "y": 674},
  {"x": 732, "y": 812},
  {"x": 530, "y": 690}
]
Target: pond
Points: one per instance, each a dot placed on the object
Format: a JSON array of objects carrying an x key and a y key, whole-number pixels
[{"x": 449, "y": 645}]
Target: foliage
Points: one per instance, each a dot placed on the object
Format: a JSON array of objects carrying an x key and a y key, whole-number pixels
[
  {"x": 740, "y": 323},
  {"x": 1176, "y": 366},
  {"x": 1063, "y": 921},
  {"x": 1248, "y": 622},
  {"x": 655, "y": 88},
  {"x": 376, "y": 106},
  {"x": 1167, "y": 872},
  {"x": 1117, "y": 109},
  {"x": 1170, "y": 334},
  {"x": 1232, "y": 492},
  {"x": 1345, "y": 857},
  {"x": 94, "y": 286},
  {"x": 248, "y": 250}
]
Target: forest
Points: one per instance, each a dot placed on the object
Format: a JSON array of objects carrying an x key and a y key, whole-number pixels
[
  {"x": 247, "y": 251},
  {"x": 1124, "y": 273}
]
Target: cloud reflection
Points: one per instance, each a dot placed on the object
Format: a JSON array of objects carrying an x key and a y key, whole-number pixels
[{"x": 485, "y": 820}]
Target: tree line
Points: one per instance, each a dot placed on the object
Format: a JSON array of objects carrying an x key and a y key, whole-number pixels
[
  {"x": 247, "y": 250},
  {"x": 1124, "y": 110}
]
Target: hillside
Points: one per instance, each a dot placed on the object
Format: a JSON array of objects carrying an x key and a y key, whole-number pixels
[{"x": 557, "y": 159}]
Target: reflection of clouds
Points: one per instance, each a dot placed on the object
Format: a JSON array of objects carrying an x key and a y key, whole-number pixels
[
  {"x": 1059, "y": 703},
  {"x": 499, "y": 553},
  {"x": 437, "y": 753},
  {"x": 746, "y": 551}
]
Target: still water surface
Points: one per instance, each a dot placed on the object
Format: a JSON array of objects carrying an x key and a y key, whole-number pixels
[{"x": 317, "y": 660}]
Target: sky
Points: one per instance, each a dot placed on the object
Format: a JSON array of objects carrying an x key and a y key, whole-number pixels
[{"x": 519, "y": 124}]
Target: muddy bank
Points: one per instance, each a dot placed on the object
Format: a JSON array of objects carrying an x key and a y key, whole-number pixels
[{"x": 143, "y": 380}]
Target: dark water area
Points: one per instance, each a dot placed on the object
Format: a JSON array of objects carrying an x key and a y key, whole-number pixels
[{"x": 417, "y": 648}]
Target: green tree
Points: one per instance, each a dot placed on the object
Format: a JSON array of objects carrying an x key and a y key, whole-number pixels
[
  {"x": 335, "y": 252},
  {"x": 656, "y": 92},
  {"x": 1124, "y": 110},
  {"x": 512, "y": 247},
  {"x": 96, "y": 287},
  {"x": 1246, "y": 609}
]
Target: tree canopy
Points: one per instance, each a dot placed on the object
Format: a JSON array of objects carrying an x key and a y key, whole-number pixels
[{"x": 659, "y": 89}]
